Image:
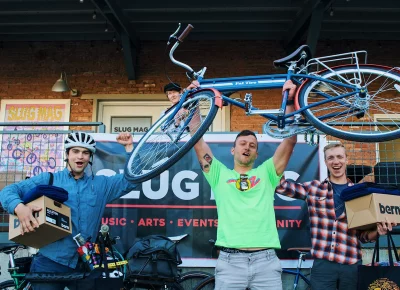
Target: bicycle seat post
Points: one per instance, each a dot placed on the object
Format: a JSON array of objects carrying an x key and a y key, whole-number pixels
[
  {"x": 248, "y": 103},
  {"x": 11, "y": 259},
  {"x": 301, "y": 259}
]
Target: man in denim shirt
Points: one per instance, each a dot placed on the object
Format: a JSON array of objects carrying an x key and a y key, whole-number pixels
[{"x": 87, "y": 198}]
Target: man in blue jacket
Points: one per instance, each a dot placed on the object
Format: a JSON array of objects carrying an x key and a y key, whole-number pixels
[{"x": 87, "y": 198}]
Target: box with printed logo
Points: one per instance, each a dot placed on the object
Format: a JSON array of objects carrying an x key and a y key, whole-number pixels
[
  {"x": 54, "y": 224},
  {"x": 364, "y": 212}
]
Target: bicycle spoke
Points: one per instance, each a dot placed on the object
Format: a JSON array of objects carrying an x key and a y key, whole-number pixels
[
  {"x": 166, "y": 138},
  {"x": 372, "y": 112}
]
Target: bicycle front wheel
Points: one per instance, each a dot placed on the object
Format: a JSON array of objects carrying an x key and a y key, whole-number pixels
[
  {"x": 206, "y": 284},
  {"x": 7, "y": 285},
  {"x": 190, "y": 279},
  {"x": 369, "y": 116},
  {"x": 170, "y": 138}
]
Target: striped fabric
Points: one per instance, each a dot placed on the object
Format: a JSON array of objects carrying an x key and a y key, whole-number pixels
[{"x": 330, "y": 238}]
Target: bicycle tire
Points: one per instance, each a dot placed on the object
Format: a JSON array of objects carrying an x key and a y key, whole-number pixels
[
  {"x": 382, "y": 97},
  {"x": 206, "y": 284},
  {"x": 7, "y": 285},
  {"x": 190, "y": 279},
  {"x": 154, "y": 152}
]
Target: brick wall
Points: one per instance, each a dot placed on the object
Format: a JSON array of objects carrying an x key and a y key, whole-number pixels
[{"x": 28, "y": 70}]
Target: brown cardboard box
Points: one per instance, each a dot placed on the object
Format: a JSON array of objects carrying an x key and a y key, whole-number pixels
[
  {"x": 364, "y": 212},
  {"x": 54, "y": 224}
]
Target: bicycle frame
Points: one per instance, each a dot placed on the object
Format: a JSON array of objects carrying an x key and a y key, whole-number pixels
[
  {"x": 266, "y": 82},
  {"x": 297, "y": 275},
  {"x": 270, "y": 82},
  {"x": 19, "y": 279}
]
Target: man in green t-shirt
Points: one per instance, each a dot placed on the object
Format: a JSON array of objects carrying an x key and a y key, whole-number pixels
[{"x": 247, "y": 233}]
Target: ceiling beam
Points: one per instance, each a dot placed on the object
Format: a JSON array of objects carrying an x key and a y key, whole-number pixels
[
  {"x": 127, "y": 34},
  {"x": 315, "y": 27},
  {"x": 130, "y": 56},
  {"x": 82, "y": 36},
  {"x": 129, "y": 39},
  {"x": 67, "y": 28},
  {"x": 44, "y": 6},
  {"x": 205, "y": 4},
  {"x": 40, "y": 19},
  {"x": 109, "y": 18},
  {"x": 301, "y": 23},
  {"x": 123, "y": 22},
  {"x": 157, "y": 36}
]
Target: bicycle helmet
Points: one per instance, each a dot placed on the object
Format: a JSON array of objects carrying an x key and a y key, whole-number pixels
[{"x": 80, "y": 139}]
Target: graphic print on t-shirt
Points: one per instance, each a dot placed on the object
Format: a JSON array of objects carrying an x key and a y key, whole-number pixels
[{"x": 244, "y": 183}]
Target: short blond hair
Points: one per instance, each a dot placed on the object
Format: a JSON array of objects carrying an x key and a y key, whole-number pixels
[{"x": 334, "y": 145}]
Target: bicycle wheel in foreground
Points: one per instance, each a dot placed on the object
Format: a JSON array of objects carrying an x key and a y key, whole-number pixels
[
  {"x": 372, "y": 116},
  {"x": 206, "y": 284},
  {"x": 167, "y": 141},
  {"x": 190, "y": 279},
  {"x": 7, "y": 285}
]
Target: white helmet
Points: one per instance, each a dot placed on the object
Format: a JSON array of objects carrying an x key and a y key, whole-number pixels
[{"x": 80, "y": 139}]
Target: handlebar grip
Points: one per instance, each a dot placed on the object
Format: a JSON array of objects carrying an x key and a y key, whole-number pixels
[{"x": 185, "y": 32}]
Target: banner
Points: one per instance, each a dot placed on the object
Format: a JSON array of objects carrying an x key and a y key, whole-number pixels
[
  {"x": 31, "y": 154},
  {"x": 180, "y": 201}
]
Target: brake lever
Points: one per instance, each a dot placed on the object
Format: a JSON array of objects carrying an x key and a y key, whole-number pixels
[{"x": 173, "y": 35}]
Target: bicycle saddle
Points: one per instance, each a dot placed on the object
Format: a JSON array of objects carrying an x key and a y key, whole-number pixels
[
  {"x": 7, "y": 248},
  {"x": 295, "y": 56},
  {"x": 53, "y": 277}
]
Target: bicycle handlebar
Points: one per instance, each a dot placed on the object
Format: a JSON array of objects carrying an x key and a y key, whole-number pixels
[{"x": 185, "y": 32}]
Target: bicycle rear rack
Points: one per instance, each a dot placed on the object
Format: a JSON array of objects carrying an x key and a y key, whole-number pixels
[{"x": 317, "y": 64}]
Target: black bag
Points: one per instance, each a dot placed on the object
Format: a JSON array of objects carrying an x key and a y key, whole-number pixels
[
  {"x": 154, "y": 256},
  {"x": 23, "y": 264},
  {"x": 376, "y": 277},
  {"x": 95, "y": 280}
]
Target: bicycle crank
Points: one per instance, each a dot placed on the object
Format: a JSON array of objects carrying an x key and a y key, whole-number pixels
[{"x": 271, "y": 128}]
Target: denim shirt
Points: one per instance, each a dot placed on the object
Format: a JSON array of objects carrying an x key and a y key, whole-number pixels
[{"x": 87, "y": 198}]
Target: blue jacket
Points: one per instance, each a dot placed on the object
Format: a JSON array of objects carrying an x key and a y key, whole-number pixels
[{"x": 87, "y": 198}]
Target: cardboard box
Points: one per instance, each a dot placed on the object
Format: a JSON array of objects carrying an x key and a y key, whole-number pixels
[
  {"x": 54, "y": 224},
  {"x": 364, "y": 212}
]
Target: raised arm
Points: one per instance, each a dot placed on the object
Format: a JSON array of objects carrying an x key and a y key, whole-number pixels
[
  {"x": 292, "y": 189},
  {"x": 117, "y": 185},
  {"x": 203, "y": 151},
  {"x": 204, "y": 154},
  {"x": 285, "y": 149},
  {"x": 126, "y": 140}
]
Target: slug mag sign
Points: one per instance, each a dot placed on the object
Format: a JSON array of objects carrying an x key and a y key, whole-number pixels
[{"x": 180, "y": 201}]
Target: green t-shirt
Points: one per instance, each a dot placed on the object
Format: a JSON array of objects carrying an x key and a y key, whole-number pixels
[{"x": 246, "y": 219}]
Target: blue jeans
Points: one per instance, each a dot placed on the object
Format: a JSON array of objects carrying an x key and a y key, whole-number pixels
[
  {"x": 257, "y": 271},
  {"x": 41, "y": 264}
]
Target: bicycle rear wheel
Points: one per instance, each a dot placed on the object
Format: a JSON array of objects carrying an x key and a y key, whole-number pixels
[
  {"x": 373, "y": 117},
  {"x": 7, "y": 285},
  {"x": 167, "y": 141},
  {"x": 206, "y": 284},
  {"x": 190, "y": 279}
]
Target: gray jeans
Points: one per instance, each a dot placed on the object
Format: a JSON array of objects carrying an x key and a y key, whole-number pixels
[{"x": 256, "y": 271}]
